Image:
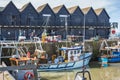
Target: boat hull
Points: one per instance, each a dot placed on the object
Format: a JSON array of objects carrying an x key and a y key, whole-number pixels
[
  {"x": 84, "y": 60},
  {"x": 115, "y": 57}
]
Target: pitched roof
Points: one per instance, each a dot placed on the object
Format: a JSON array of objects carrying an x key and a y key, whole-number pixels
[
  {"x": 86, "y": 10},
  {"x": 24, "y": 6},
  {"x": 57, "y": 9},
  {"x": 98, "y": 11},
  {"x": 72, "y": 9},
  {"x": 1, "y": 9},
  {"x": 40, "y": 8},
  {"x": 10, "y": 3}
]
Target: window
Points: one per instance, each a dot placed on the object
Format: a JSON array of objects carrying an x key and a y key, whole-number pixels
[
  {"x": 63, "y": 19},
  {"x": 12, "y": 19},
  {"x": 29, "y": 19},
  {"x": 63, "y": 16},
  {"x": 47, "y": 15}
]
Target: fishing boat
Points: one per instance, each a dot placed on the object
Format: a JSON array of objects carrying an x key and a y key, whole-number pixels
[
  {"x": 112, "y": 53},
  {"x": 13, "y": 55},
  {"x": 73, "y": 60},
  {"x": 69, "y": 58},
  {"x": 115, "y": 54}
]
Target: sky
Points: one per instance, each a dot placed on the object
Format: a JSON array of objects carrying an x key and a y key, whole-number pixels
[{"x": 112, "y": 6}]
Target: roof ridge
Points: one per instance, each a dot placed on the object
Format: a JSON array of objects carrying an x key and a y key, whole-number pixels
[
  {"x": 24, "y": 6},
  {"x": 40, "y": 8},
  {"x": 57, "y": 8},
  {"x": 98, "y": 11},
  {"x": 86, "y": 10},
  {"x": 72, "y": 9}
]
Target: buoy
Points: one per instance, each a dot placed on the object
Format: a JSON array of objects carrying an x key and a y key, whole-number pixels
[
  {"x": 28, "y": 76},
  {"x": 113, "y": 31}
]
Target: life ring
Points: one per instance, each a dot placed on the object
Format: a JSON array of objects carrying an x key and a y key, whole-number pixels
[{"x": 28, "y": 75}]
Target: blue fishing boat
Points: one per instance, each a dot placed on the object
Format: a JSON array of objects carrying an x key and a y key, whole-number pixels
[
  {"x": 67, "y": 64},
  {"x": 113, "y": 53},
  {"x": 115, "y": 57}
]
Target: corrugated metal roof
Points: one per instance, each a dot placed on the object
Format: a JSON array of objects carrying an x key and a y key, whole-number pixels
[
  {"x": 86, "y": 10},
  {"x": 57, "y": 9},
  {"x": 24, "y": 7},
  {"x": 72, "y": 9},
  {"x": 98, "y": 11},
  {"x": 40, "y": 8}
]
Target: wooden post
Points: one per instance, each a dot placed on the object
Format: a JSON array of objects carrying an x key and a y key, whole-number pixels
[{"x": 35, "y": 73}]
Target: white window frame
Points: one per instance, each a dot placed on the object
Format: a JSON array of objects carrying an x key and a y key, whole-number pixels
[
  {"x": 63, "y": 15},
  {"x": 47, "y": 15}
]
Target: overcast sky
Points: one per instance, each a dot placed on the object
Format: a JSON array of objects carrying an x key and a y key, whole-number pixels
[{"x": 111, "y": 6}]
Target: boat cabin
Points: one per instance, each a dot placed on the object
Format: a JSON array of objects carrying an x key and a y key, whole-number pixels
[{"x": 71, "y": 54}]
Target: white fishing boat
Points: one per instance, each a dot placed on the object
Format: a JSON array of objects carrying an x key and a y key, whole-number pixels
[
  {"x": 70, "y": 58},
  {"x": 73, "y": 60}
]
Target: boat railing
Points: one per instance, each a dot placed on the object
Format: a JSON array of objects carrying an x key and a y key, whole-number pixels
[{"x": 8, "y": 43}]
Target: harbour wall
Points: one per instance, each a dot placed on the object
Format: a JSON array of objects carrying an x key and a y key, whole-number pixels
[{"x": 53, "y": 47}]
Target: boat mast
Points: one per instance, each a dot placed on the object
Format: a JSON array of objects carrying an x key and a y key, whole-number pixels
[
  {"x": 47, "y": 17},
  {"x": 84, "y": 32},
  {"x": 66, "y": 28},
  {"x": 84, "y": 47},
  {"x": 66, "y": 25},
  {"x": 47, "y": 21}
]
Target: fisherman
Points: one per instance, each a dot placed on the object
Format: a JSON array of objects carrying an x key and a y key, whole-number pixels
[
  {"x": 56, "y": 60},
  {"x": 32, "y": 34},
  {"x": 75, "y": 57},
  {"x": 71, "y": 57},
  {"x": 28, "y": 54},
  {"x": 29, "y": 61}
]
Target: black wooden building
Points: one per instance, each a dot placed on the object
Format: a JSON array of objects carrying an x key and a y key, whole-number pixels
[{"x": 56, "y": 21}]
